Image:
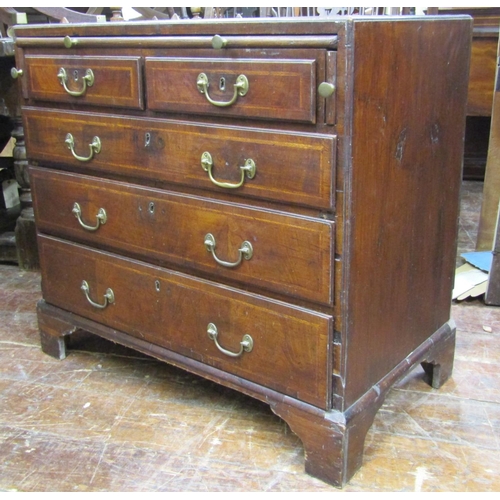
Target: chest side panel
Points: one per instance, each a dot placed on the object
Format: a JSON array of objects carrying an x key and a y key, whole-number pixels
[{"x": 408, "y": 128}]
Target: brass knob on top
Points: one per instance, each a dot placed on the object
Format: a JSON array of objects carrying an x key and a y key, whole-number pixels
[
  {"x": 326, "y": 89},
  {"x": 196, "y": 11},
  {"x": 16, "y": 73},
  {"x": 69, "y": 42},
  {"x": 218, "y": 42}
]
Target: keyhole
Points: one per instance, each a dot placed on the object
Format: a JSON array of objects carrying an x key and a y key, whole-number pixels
[
  {"x": 75, "y": 74},
  {"x": 151, "y": 207},
  {"x": 157, "y": 285},
  {"x": 222, "y": 84},
  {"x": 147, "y": 139}
]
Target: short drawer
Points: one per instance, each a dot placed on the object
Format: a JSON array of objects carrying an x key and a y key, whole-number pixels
[
  {"x": 268, "y": 342},
  {"x": 267, "y": 249},
  {"x": 270, "y": 89},
  {"x": 287, "y": 167},
  {"x": 104, "y": 81}
]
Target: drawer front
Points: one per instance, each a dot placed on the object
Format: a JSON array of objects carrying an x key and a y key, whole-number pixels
[
  {"x": 274, "y": 89},
  {"x": 291, "y": 345},
  {"x": 293, "y": 168},
  {"x": 267, "y": 249},
  {"x": 105, "y": 81}
]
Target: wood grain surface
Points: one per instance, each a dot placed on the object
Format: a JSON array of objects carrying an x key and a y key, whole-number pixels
[
  {"x": 290, "y": 167},
  {"x": 291, "y": 255},
  {"x": 117, "y": 80},
  {"x": 172, "y": 310}
]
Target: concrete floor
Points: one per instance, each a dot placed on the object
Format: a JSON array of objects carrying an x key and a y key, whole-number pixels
[{"x": 109, "y": 419}]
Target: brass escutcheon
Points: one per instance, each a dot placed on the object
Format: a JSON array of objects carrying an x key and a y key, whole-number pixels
[{"x": 87, "y": 81}]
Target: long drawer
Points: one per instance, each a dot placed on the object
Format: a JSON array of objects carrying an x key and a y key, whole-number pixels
[
  {"x": 277, "y": 166},
  {"x": 277, "y": 89},
  {"x": 283, "y": 347},
  {"x": 106, "y": 81},
  {"x": 271, "y": 250}
]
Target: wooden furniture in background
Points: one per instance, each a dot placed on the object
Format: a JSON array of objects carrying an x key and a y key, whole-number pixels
[
  {"x": 8, "y": 99},
  {"x": 17, "y": 226},
  {"x": 492, "y": 295},
  {"x": 483, "y": 58},
  {"x": 269, "y": 204},
  {"x": 481, "y": 85},
  {"x": 491, "y": 190},
  {"x": 18, "y": 239},
  {"x": 489, "y": 228}
]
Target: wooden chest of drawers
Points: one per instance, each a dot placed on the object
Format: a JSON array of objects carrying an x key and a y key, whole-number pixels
[{"x": 270, "y": 205}]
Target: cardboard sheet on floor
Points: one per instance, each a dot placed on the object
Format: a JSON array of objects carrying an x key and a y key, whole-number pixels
[
  {"x": 471, "y": 279},
  {"x": 481, "y": 260},
  {"x": 469, "y": 282}
]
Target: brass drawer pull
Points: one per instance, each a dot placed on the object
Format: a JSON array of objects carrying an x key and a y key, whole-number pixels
[
  {"x": 95, "y": 147},
  {"x": 247, "y": 170},
  {"x": 218, "y": 42},
  {"x": 16, "y": 73},
  {"x": 246, "y": 344},
  {"x": 109, "y": 296},
  {"x": 246, "y": 251},
  {"x": 101, "y": 218},
  {"x": 70, "y": 42},
  {"x": 88, "y": 81},
  {"x": 240, "y": 89},
  {"x": 326, "y": 89}
]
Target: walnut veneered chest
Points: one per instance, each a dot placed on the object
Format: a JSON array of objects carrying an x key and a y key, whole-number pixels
[{"x": 271, "y": 205}]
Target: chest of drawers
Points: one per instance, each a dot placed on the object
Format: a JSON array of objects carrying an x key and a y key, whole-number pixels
[{"x": 270, "y": 205}]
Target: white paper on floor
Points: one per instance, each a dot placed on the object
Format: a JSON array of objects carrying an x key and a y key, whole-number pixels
[{"x": 469, "y": 282}]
